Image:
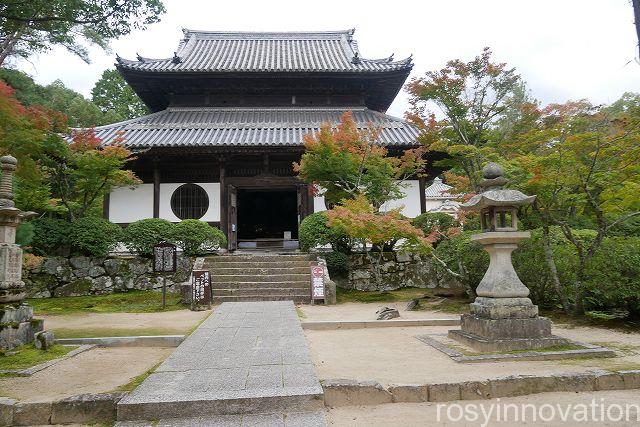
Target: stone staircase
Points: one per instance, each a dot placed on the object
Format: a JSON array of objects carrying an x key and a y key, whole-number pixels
[{"x": 260, "y": 277}]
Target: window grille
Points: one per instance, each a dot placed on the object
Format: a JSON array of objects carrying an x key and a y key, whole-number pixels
[{"x": 189, "y": 201}]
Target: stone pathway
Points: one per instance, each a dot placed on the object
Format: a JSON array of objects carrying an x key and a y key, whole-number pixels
[{"x": 247, "y": 364}]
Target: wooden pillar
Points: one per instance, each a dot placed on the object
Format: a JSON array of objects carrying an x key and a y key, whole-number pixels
[
  {"x": 265, "y": 163},
  {"x": 105, "y": 206},
  {"x": 223, "y": 197},
  {"x": 422, "y": 186},
  {"x": 156, "y": 188}
]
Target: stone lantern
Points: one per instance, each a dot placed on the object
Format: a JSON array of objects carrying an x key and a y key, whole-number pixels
[
  {"x": 17, "y": 325},
  {"x": 502, "y": 317}
]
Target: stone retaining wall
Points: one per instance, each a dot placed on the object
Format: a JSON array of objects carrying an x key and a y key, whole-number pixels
[
  {"x": 77, "y": 276},
  {"x": 394, "y": 270}
]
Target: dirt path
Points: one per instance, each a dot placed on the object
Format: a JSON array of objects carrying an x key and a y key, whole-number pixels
[
  {"x": 171, "y": 322},
  {"x": 365, "y": 311},
  {"x": 426, "y": 414},
  {"x": 95, "y": 371}
]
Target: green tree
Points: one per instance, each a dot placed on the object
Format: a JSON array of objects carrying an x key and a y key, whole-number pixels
[
  {"x": 580, "y": 161},
  {"x": 80, "y": 111},
  {"x": 32, "y": 26},
  {"x": 112, "y": 94},
  {"x": 475, "y": 98}
]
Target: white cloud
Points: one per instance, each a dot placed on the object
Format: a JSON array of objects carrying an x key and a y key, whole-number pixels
[{"x": 564, "y": 49}]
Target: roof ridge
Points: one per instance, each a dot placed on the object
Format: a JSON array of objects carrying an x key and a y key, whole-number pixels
[
  {"x": 283, "y": 108},
  {"x": 291, "y": 34}
]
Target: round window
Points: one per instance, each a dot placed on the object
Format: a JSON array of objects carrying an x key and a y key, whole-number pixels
[{"x": 189, "y": 201}]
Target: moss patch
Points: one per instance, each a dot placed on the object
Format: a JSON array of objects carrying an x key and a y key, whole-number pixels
[
  {"x": 27, "y": 356},
  {"x": 136, "y": 381},
  {"x": 429, "y": 298},
  {"x": 114, "y": 332},
  {"x": 128, "y": 302}
]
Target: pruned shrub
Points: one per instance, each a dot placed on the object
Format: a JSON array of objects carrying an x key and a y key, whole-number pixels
[
  {"x": 196, "y": 237},
  {"x": 94, "y": 236},
  {"x": 49, "y": 235},
  {"x": 336, "y": 264},
  {"x": 141, "y": 236},
  {"x": 315, "y": 232},
  {"x": 430, "y": 222}
]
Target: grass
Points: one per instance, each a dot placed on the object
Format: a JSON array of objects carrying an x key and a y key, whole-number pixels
[
  {"x": 136, "y": 381},
  {"x": 559, "y": 317},
  {"x": 128, "y": 302},
  {"x": 467, "y": 352},
  {"x": 300, "y": 313},
  {"x": 27, "y": 356}
]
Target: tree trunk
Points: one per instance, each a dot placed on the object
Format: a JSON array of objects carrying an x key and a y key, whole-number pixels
[
  {"x": 6, "y": 49},
  {"x": 636, "y": 14},
  {"x": 471, "y": 293},
  {"x": 578, "y": 308},
  {"x": 548, "y": 255}
]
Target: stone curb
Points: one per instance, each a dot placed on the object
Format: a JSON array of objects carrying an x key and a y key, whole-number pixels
[
  {"x": 364, "y": 324},
  {"x": 80, "y": 409},
  {"x": 132, "y": 341},
  {"x": 32, "y": 370},
  {"x": 344, "y": 392}
]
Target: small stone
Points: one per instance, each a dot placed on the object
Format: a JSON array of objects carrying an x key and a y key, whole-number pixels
[
  {"x": 44, "y": 340},
  {"x": 414, "y": 304},
  {"x": 386, "y": 313},
  {"x": 80, "y": 262},
  {"x": 112, "y": 266}
]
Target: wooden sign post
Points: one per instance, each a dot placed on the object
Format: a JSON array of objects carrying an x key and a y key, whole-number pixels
[
  {"x": 200, "y": 289},
  {"x": 165, "y": 260},
  {"x": 317, "y": 282}
]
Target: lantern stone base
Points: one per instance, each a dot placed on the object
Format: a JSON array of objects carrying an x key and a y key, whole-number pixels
[
  {"x": 17, "y": 326},
  {"x": 498, "y": 335}
]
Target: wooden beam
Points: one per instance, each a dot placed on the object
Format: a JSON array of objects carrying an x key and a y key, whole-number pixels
[
  {"x": 422, "y": 186},
  {"x": 156, "y": 188},
  {"x": 223, "y": 196},
  {"x": 105, "y": 206}
]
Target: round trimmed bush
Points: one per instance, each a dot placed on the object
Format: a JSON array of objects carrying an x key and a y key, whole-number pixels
[
  {"x": 429, "y": 220},
  {"x": 314, "y": 232},
  {"x": 49, "y": 235},
  {"x": 336, "y": 264},
  {"x": 196, "y": 237},
  {"x": 141, "y": 236},
  {"x": 94, "y": 236}
]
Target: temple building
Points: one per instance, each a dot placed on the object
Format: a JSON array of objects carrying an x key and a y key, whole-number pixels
[{"x": 229, "y": 112}]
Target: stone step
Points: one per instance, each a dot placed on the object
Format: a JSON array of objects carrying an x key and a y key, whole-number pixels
[
  {"x": 259, "y": 278},
  {"x": 271, "y": 419},
  {"x": 254, "y": 258},
  {"x": 270, "y": 270},
  {"x": 260, "y": 291},
  {"x": 258, "y": 285},
  {"x": 255, "y": 264},
  {"x": 298, "y": 299}
]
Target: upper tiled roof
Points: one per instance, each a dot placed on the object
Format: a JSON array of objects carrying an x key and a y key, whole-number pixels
[
  {"x": 213, "y": 51},
  {"x": 270, "y": 126},
  {"x": 439, "y": 190}
]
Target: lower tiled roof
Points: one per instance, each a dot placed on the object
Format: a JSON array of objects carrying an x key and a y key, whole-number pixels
[{"x": 270, "y": 126}]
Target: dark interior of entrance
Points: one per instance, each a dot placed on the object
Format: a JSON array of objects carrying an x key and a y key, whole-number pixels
[{"x": 266, "y": 214}]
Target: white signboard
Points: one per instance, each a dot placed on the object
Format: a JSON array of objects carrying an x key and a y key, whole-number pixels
[{"x": 317, "y": 282}]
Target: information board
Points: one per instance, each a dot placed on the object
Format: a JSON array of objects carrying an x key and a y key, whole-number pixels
[
  {"x": 200, "y": 288},
  {"x": 164, "y": 258}
]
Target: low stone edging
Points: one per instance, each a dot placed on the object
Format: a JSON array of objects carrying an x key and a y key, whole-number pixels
[
  {"x": 365, "y": 324},
  {"x": 132, "y": 341},
  {"x": 80, "y": 409},
  {"x": 355, "y": 393},
  {"x": 27, "y": 372}
]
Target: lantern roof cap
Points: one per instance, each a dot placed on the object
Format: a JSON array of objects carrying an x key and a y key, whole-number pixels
[{"x": 493, "y": 195}]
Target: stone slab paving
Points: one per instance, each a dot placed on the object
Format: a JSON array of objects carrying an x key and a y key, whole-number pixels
[
  {"x": 295, "y": 419},
  {"x": 246, "y": 358}
]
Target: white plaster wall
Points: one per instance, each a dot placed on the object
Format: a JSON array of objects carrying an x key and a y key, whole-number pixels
[
  {"x": 318, "y": 204},
  {"x": 213, "y": 191},
  {"x": 432, "y": 203},
  {"x": 127, "y": 205},
  {"x": 410, "y": 202}
]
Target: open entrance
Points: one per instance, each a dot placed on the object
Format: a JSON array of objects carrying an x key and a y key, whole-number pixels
[{"x": 267, "y": 215}]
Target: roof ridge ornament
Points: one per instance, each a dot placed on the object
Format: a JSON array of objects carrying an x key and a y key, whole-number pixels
[
  {"x": 176, "y": 59},
  {"x": 390, "y": 59},
  {"x": 140, "y": 58},
  {"x": 356, "y": 58},
  {"x": 118, "y": 59}
]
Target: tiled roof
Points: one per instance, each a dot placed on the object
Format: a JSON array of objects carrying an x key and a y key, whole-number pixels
[
  {"x": 213, "y": 51},
  {"x": 439, "y": 190},
  {"x": 269, "y": 126}
]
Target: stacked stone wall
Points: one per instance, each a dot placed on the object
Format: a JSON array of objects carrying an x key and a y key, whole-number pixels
[
  {"x": 78, "y": 276},
  {"x": 374, "y": 271}
]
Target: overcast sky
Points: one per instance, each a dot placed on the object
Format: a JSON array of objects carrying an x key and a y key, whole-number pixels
[{"x": 564, "y": 49}]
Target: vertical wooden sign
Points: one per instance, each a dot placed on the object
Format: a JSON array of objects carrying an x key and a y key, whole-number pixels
[
  {"x": 200, "y": 289},
  {"x": 317, "y": 282}
]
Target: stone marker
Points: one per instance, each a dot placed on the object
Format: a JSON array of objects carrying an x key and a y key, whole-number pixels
[
  {"x": 502, "y": 317},
  {"x": 17, "y": 326},
  {"x": 44, "y": 340},
  {"x": 386, "y": 313}
]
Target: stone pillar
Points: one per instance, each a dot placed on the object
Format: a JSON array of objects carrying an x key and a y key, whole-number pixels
[{"x": 17, "y": 326}]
